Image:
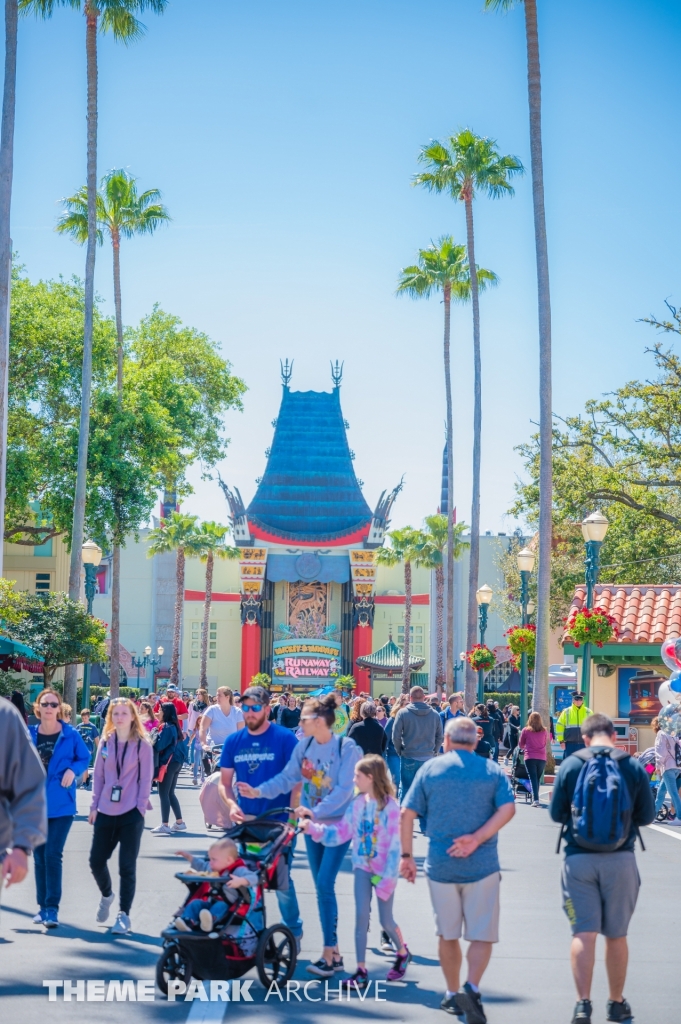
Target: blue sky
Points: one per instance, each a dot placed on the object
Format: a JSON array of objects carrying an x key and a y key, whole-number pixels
[{"x": 284, "y": 137}]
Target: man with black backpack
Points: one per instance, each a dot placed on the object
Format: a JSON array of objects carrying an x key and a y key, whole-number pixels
[{"x": 601, "y": 797}]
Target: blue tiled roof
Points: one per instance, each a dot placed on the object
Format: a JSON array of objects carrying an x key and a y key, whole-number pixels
[{"x": 309, "y": 490}]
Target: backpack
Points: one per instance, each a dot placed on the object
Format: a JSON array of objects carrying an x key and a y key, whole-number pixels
[
  {"x": 601, "y": 805},
  {"x": 677, "y": 753}
]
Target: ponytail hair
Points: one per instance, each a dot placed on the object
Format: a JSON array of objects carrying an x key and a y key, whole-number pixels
[{"x": 323, "y": 707}]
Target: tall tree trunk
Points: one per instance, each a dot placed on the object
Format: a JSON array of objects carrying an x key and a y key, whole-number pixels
[
  {"x": 115, "y": 659},
  {"x": 450, "y": 493},
  {"x": 203, "y": 679},
  {"x": 472, "y": 623},
  {"x": 179, "y": 608},
  {"x": 406, "y": 674},
  {"x": 116, "y": 245},
  {"x": 540, "y": 694},
  {"x": 440, "y": 678},
  {"x": 6, "y": 174},
  {"x": 78, "y": 528}
]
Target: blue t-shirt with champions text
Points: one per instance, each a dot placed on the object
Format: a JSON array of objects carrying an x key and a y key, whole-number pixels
[{"x": 255, "y": 759}]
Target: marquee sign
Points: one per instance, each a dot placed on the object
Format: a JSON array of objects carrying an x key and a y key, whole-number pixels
[
  {"x": 252, "y": 563},
  {"x": 363, "y": 570},
  {"x": 306, "y": 660}
]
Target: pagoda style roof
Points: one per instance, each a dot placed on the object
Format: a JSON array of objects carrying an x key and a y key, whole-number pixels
[
  {"x": 309, "y": 491},
  {"x": 390, "y": 658}
]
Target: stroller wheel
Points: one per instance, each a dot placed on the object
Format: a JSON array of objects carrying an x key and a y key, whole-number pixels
[
  {"x": 173, "y": 965},
  {"x": 276, "y": 955}
]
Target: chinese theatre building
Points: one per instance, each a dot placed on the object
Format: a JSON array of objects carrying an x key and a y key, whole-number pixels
[{"x": 307, "y": 575}]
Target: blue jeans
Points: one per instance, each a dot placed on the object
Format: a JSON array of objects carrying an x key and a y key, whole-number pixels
[
  {"x": 393, "y": 761},
  {"x": 287, "y": 899},
  {"x": 48, "y": 861},
  {"x": 325, "y": 862},
  {"x": 218, "y": 910},
  {"x": 669, "y": 782},
  {"x": 408, "y": 769}
]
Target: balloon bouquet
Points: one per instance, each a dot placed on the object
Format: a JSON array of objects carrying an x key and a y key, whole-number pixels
[{"x": 669, "y": 693}]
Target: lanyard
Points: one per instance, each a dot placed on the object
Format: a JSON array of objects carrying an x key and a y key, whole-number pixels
[{"x": 125, "y": 750}]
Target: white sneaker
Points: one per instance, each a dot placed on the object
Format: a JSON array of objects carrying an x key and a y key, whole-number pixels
[
  {"x": 104, "y": 908},
  {"x": 179, "y": 826},
  {"x": 162, "y": 830},
  {"x": 674, "y": 823},
  {"x": 38, "y": 919},
  {"x": 206, "y": 920},
  {"x": 122, "y": 925}
]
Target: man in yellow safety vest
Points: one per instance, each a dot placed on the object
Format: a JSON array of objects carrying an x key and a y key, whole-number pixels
[{"x": 568, "y": 726}]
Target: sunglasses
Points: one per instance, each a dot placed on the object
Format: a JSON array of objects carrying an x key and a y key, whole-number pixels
[
  {"x": 119, "y": 700},
  {"x": 308, "y": 718},
  {"x": 48, "y": 704},
  {"x": 253, "y": 707}
]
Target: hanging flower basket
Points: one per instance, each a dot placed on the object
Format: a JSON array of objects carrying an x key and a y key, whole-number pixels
[
  {"x": 481, "y": 658},
  {"x": 522, "y": 640},
  {"x": 590, "y": 626}
]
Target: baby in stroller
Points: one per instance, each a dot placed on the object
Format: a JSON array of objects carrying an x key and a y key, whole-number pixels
[{"x": 208, "y": 908}]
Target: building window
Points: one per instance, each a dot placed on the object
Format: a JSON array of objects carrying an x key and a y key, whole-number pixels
[
  {"x": 42, "y": 581},
  {"x": 415, "y": 638}
]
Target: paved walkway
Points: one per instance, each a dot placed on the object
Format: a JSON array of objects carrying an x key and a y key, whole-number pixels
[{"x": 528, "y": 981}]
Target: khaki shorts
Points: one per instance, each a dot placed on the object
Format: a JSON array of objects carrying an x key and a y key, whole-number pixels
[{"x": 475, "y": 905}]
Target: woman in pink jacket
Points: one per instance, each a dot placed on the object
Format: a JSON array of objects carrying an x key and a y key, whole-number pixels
[
  {"x": 666, "y": 748},
  {"x": 532, "y": 742}
]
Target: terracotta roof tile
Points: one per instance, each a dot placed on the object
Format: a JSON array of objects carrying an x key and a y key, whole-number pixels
[{"x": 645, "y": 614}]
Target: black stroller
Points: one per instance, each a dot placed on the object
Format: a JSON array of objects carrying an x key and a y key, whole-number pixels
[
  {"x": 222, "y": 954},
  {"x": 520, "y": 780}
]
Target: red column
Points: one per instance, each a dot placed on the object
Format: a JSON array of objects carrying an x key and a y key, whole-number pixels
[
  {"x": 250, "y": 653},
  {"x": 362, "y": 639}
]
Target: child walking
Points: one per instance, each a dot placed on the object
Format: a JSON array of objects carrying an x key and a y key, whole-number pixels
[{"x": 372, "y": 822}]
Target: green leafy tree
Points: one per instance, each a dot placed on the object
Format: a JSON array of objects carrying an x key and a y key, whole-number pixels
[
  {"x": 122, "y": 213},
  {"x": 60, "y": 631},
  {"x": 464, "y": 166},
  {"x": 119, "y": 18},
  {"x": 432, "y": 554},
  {"x": 177, "y": 533},
  {"x": 406, "y": 547},
  {"x": 443, "y": 268},
  {"x": 211, "y": 539},
  {"x": 11, "y": 607},
  {"x": 261, "y": 679},
  {"x": 540, "y": 698}
]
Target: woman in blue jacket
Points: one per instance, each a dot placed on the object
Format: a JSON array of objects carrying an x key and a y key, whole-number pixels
[{"x": 65, "y": 757}]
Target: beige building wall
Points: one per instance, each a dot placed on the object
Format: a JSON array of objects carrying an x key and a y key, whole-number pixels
[
  {"x": 29, "y": 570},
  {"x": 224, "y": 638}
]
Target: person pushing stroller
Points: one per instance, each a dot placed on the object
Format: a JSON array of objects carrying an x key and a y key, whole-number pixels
[{"x": 223, "y": 861}]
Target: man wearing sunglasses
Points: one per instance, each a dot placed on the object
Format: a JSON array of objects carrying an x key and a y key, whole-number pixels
[{"x": 254, "y": 755}]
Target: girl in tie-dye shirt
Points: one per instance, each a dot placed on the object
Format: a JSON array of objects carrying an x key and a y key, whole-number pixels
[{"x": 372, "y": 823}]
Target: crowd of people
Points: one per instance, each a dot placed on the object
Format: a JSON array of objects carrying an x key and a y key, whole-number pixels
[{"x": 355, "y": 776}]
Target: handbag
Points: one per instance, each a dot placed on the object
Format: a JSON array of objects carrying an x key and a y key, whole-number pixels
[{"x": 161, "y": 774}]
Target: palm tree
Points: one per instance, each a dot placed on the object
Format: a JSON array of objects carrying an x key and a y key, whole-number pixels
[
  {"x": 432, "y": 557},
  {"x": 443, "y": 267},
  {"x": 540, "y": 695},
  {"x": 211, "y": 538},
  {"x": 406, "y": 546},
  {"x": 118, "y": 17},
  {"x": 178, "y": 533},
  {"x": 6, "y": 175},
  {"x": 121, "y": 213},
  {"x": 462, "y": 166}
]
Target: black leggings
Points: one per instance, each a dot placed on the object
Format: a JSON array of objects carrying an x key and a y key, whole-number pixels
[
  {"x": 535, "y": 767},
  {"x": 111, "y": 830},
  {"x": 166, "y": 791}
]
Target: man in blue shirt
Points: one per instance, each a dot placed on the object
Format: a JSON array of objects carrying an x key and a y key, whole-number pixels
[
  {"x": 254, "y": 755},
  {"x": 465, "y": 801}
]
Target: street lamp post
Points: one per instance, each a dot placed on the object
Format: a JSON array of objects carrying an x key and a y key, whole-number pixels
[
  {"x": 594, "y": 529},
  {"x": 91, "y": 555},
  {"x": 525, "y": 559},
  {"x": 146, "y": 662},
  {"x": 483, "y": 596},
  {"x": 153, "y": 662}
]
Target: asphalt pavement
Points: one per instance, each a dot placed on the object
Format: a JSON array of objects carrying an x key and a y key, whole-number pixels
[{"x": 528, "y": 981}]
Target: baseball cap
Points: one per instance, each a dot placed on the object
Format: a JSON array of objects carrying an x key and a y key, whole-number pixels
[
  {"x": 258, "y": 693},
  {"x": 172, "y": 688}
]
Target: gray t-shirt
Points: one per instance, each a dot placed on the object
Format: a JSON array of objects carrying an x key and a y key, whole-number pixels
[{"x": 456, "y": 794}]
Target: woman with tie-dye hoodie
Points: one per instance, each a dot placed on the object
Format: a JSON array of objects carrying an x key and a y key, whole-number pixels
[{"x": 372, "y": 822}]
